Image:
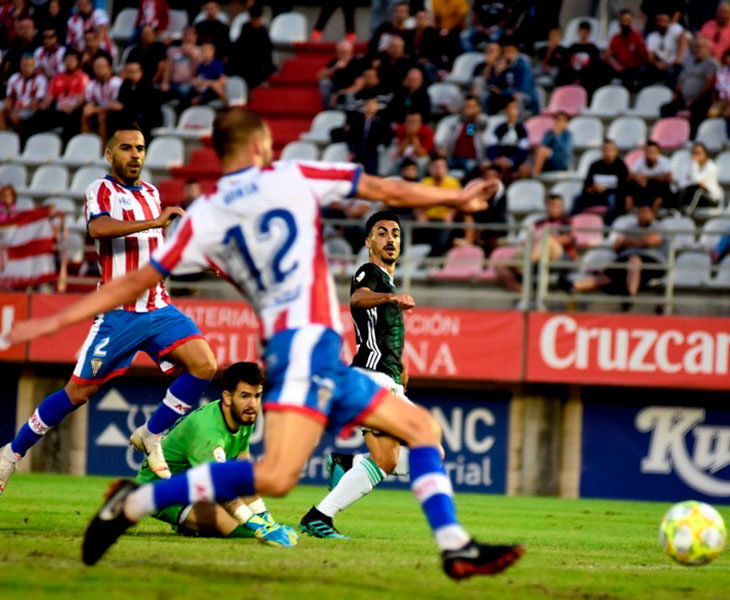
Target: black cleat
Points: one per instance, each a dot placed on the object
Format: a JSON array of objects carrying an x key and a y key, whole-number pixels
[
  {"x": 319, "y": 525},
  {"x": 479, "y": 559},
  {"x": 109, "y": 523}
]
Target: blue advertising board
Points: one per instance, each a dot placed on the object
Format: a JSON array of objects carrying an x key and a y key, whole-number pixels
[
  {"x": 475, "y": 427},
  {"x": 662, "y": 449}
]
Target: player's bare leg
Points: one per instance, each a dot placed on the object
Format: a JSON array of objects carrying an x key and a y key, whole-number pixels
[
  {"x": 196, "y": 357},
  {"x": 461, "y": 556}
]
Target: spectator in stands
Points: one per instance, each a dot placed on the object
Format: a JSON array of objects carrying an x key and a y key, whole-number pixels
[
  {"x": 513, "y": 78},
  {"x": 438, "y": 238},
  {"x": 495, "y": 213},
  {"x": 434, "y": 49},
  {"x": 717, "y": 30},
  {"x": 511, "y": 141},
  {"x": 626, "y": 54},
  {"x": 553, "y": 57},
  {"x": 716, "y": 254},
  {"x": 252, "y": 53},
  {"x": 26, "y": 43},
  {"x": 7, "y": 203},
  {"x": 555, "y": 153},
  {"x": 191, "y": 190},
  {"x": 152, "y": 13},
  {"x": 102, "y": 99},
  {"x": 341, "y": 72},
  {"x": 414, "y": 139},
  {"x": 150, "y": 54},
  {"x": 65, "y": 98},
  {"x": 584, "y": 65},
  {"x": 408, "y": 170},
  {"x": 603, "y": 189},
  {"x": 211, "y": 29},
  {"x": 695, "y": 86},
  {"x": 328, "y": 9},
  {"x": 366, "y": 86},
  {"x": 209, "y": 81},
  {"x": 55, "y": 18},
  {"x": 666, "y": 46},
  {"x": 412, "y": 96},
  {"x": 92, "y": 51},
  {"x": 380, "y": 42},
  {"x": 649, "y": 10},
  {"x": 26, "y": 90},
  {"x": 645, "y": 245},
  {"x": 181, "y": 66},
  {"x": 365, "y": 131},
  {"x": 464, "y": 146},
  {"x": 650, "y": 181},
  {"x": 485, "y": 73},
  {"x": 721, "y": 105},
  {"x": 490, "y": 20},
  {"x": 394, "y": 64},
  {"x": 49, "y": 56},
  {"x": 87, "y": 17},
  {"x": 450, "y": 14},
  {"x": 140, "y": 100},
  {"x": 560, "y": 242},
  {"x": 699, "y": 185}
]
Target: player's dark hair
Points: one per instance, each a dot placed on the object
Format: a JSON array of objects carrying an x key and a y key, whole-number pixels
[
  {"x": 383, "y": 215},
  {"x": 247, "y": 372},
  {"x": 124, "y": 126}
]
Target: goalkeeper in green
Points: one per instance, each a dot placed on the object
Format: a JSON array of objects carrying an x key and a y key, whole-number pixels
[{"x": 219, "y": 431}]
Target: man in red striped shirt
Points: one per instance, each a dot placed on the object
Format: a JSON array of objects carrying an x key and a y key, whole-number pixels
[
  {"x": 24, "y": 94},
  {"x": 126, "y": 220}
]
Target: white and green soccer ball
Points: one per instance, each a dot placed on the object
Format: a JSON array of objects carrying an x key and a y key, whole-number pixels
[{"x": 692, "y": 533}]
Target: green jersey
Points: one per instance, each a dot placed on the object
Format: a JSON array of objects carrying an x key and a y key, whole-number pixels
[
  {"x": 200, "y": 437},
  {"x": 379, "y": 330}
]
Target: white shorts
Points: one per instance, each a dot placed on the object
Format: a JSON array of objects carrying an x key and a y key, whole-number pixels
[{"x": 385, "y": 381}]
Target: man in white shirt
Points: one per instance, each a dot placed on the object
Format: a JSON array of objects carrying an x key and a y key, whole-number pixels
[
  {"x": 666, "y": 46},
  {"x": 649, "y": 180}
]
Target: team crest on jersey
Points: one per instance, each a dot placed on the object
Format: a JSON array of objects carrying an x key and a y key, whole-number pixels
[
  {"x": 95, "y": 365},
  {"x": 325, "y": 388},
  {"x": 219, "y": 454}
]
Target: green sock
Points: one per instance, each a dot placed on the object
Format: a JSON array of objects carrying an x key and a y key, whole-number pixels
[{"x": 241, "y": 532}]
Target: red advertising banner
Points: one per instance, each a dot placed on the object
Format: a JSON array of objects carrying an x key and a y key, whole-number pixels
[
  {"x": 440, "y": 343},
  {"x": 678, "y": 352},
  {"x": 13, "y": 307}
]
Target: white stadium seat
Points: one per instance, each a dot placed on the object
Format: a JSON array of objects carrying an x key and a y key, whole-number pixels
[
  {"x": 596, "y": 260},
  {"x": 445, "y": 97},
  {"x": 24, "y": 203},
  {"x": 692, "y": 270},
  {"x": 585, "y": 162},
  {"x": 623, "y": 224},
  {"x": 165, "y": 152},
  {"x": 570, "y": 36},
  {"x": 237, "y": 24},
  {"x": 587, "y": 132},
  {"x": 680, "y": 161},
  {"x": 684, "y": 228},
  {"x": 123, "y": 27},
  {"x": 525, "y": 196},
  {"x": 82, "y": 149},
  {"x": 9, "y": 146},
  {"x": 60, "y": 204},
  {"x": 713, "y": 134},
  {"x": 288, "y": 28},
  {"x": 722, "y": 161},
  {"x": 300, "y": 151},
  {"x": 196, "y": 118},
  {"x": 608, "y": 101},
  {"x": 461, "y": 72},
  {"x": 83, "y": 177},
  {"x": 41, "y": 148},
  {"x": 322, "y": 124},
  {"x": 335, "y": 153},
  {"x": 169, "y": 117},
  {"x": 568, "y": 190},
  {"x": 721, "y": 280},
  {"x": 14, "y": 175},
  {"x": 627, "y": 132},
  {"x": 443, "y": 128},
  {"x": 236, "y": 91},
  {"x": 49, "y": 180},
  {"x": 649, "y": 100},
  {"x": 712, "y": 231},
  {"x": 178, "y": 23}
]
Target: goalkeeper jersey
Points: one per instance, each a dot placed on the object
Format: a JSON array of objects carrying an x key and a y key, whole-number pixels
[{"x": 200, "y": 437}]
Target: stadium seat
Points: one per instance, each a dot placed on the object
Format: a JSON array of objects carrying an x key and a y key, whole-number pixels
[
  {"x": 41, "y": 148},
  {"x": 169, "y": 117},
  {"x": 9, "y": 146},
  {"x": 288, "y": 28},
  {"x": 627, "y": 132},
  {"x": 633, "y": 157},
  {"x": 585, "y": 162},
  {"x": 198, "y": 118},
  {"x": 461, "y": 72},
  {"x": 165, "y": 152},
  {"x": 596, "y": 260},
  {"x": 83, "y": 177},
  {"x": 499, "y": 256},
  {"x": 123, "y": 27},
  {"x": 537, "y": 127},
  {"x": 608, "y": 101},
  {"x": 416, "y": 254},
  {"x": 570, "y": 35},
  {"x": 82, "y": 149},
  {"x": 178, "y": 23},
  {"x": 443, "y": 128},
  {"x": 493, "y": 122},
  {"x": 722, "y": 161},
  {"x": 587, "y": 221},
  {"x": 721, "y": 280},
  {"x": 462, "y": 264},
  {"x": 587, "y": 132},
  {"x": 62, "y": 205},
  {"x": 24, "y": 203},
  {"x": 623, "y": 224},
  {"x": 335, "y": 152},
  {"x": 322, "y": 124},
  {"x": 713, "y": 134},
  {"x": 48, "y": 180},
  {"x": 571, "y": 99},
  {"x": 445, "y": 97},
  {"x": 236, "y": 91},
  {"x": 237, "y": 24},
  {"x": 680, "y": 161},
  {"x": 525, "y": 228},
  {"x": 525, "y": 196},
  {"x": 692, "y": 270},
  {"x": 684, "y": 228},
  {"x": 300, "y": 151},
  {"x": 670, "y": 133},
  {"x": 339, "y": 255},
  {"x": 569, "y": 191},
  {"x": 712, "y": 231},
  {"x": 14, "y": 175},
  {"x": 649, "y": 100}
]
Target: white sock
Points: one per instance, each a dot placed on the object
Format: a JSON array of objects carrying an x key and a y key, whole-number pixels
[
  {"x": 140, "y": 503},
  {"x": 358, "y": 481},
  {"x": 401, "y": 467},
  {"x": 451, "y": 537}
]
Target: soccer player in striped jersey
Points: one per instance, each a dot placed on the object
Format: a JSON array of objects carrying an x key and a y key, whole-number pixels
[
  {"x": 126, "y": 220},
  {"x": 377, "y": 311},
  {"x": 261, "y": 229}
]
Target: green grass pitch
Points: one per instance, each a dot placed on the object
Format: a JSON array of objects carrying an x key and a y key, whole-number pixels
[{"x": 576, "y": 549}]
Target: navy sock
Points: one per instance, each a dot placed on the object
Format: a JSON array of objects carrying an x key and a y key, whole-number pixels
[
  {"x": 49, "y": 414},
  {"x": 184, "y": 392}
]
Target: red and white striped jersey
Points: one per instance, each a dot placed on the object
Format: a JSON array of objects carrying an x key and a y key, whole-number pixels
[
  {"x": 103, "y": 94},
  {"x": 77, "y": 25},
  {"x": 122, "y": 255},
  {"x": 50, "y": 62},
  {"x": 261, "y": 229},
  {"x": 23, "y": 91}
]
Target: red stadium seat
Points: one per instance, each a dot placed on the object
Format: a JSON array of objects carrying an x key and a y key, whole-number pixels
[
  {"x": 587, "y": 239},
  {"x": 632, "y": 157},
  {"x": 670, "y": 133},
  {"x": 537, "y": 127},
  {"x": 500, "y": 254},
  {"x": 462, "y": 264},
  {"x": 571, "y": 99}
]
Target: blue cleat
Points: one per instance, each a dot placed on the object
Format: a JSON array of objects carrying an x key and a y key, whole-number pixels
[{"x": 319, "y": 525}]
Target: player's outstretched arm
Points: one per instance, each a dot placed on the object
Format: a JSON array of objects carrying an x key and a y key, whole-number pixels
[
  {"x": 398, "y": 193},
  {"x": 364, "y": 297},
  {"x": 107, "y": 227},
  {"x": 116, "y": 292}
]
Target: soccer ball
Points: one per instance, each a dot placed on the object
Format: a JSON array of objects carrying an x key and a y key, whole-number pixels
[{"x": 692, "y": 533}]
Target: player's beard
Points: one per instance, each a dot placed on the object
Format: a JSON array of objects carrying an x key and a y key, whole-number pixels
[{"x": 241, "y": 419}]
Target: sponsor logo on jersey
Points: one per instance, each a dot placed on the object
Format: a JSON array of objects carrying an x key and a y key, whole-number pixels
[{"x": 219, "y": 454}]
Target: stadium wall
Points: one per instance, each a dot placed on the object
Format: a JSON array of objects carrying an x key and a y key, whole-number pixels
[{"x": 555, "y": 404}]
